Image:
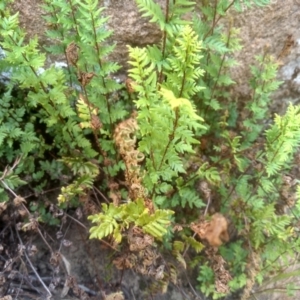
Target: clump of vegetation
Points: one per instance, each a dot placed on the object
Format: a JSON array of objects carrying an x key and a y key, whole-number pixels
[{"x": 171, "y": 155}]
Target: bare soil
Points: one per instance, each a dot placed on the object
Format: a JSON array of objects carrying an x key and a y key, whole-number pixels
[{"x": 65, "y": 262}]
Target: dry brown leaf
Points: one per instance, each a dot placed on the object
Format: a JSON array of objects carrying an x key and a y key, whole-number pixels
[
  {"x": 115, "y": 296},
  {"x": 6, "y": 298},
  {"x": 72, "y": 53},
  {"x": 3, "y": 207},
  {"x": 66, "y": 263},
  {"x": 18, "y": 201},
  {"x": 214, "y": 231}
]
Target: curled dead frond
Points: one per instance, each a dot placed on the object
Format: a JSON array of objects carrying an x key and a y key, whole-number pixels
[
  {"x": 125, "y": 140},
  {"x": 288, "y": 195},
  {"x": 141, "y": 255},
  {"x": 138, "y": 240},
  {"x": 253, "y": 268},
  {"x": 129, "y": 83},
  {"x": 222, "y": 275},
  {"x": 85, "y": 78},
  {"x": 114, "y": 192},
  {"x": 72, "y": 53}
]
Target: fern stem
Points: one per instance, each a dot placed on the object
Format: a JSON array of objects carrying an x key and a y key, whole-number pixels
[
  {"x": 160, "y": 77},
  {"x": 171, "y": 138},
  {"x": 214, "y": 17},
  {"x": 54, "y": 15},
  {"x": 73, "y": 17},
  {"x": 100, "y": 65},
  {"x": 184, "y": 75},
  {"x": 90, "y": 113},
  {"x": 209, "y": 32},
  {"x": 218, "y": 75},
  {"x": 250, "y": 113}
]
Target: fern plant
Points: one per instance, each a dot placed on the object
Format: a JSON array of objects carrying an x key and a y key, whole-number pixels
[
  {"x": 180, "y": 151},
  {"x": 51, "y": 92},
  {"x": 235, "y": 166},
  {"x": 167, "y": 111}
]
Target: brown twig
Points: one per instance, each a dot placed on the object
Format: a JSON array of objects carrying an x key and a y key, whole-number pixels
[
  {"x": 101, "y": 194},
  {"x": 31, "y": 265},
  {"x": 78, "y": 222}
]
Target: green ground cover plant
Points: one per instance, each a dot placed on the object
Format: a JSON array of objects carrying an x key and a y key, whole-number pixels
[{"x": 175, "y": 158}]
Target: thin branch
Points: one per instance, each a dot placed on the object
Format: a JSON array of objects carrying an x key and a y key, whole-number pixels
[
  {"x": 78, "y": 222},
  {"x": 101, "y": 194},
  {"x": 31, "y": 265}
]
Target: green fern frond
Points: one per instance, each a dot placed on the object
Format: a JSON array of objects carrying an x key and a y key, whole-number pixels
[{"x": 283, "y": 138}]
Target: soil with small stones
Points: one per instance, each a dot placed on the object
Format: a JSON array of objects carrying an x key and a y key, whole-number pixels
[{"x": 65, "y": 262}]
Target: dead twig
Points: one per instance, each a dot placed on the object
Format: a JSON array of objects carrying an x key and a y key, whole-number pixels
[
  {"x": 193, "y": 290},
  {"x": 101, "y": 194},
  {"x": 132, "y": 293},
  {"x": 78, "y": 222},
  {"x": 31, "y": 265},
  {"x": 87, "y": 290}
]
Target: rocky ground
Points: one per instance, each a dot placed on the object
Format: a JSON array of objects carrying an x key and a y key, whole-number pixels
[{"x": 63, "y": 262}]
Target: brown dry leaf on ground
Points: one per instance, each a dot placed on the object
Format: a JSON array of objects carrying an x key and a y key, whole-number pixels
[
  {"x": 3, "y": 207},
  {"x": 214, "y": 231},
  {"x": 138, "y": 240},
  {"x": 115, "y": 296}
]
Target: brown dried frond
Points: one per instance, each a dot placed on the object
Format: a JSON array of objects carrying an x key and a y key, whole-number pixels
[
  {"x": 114, "y": 192},
  {"x": 125, "y": 140},
  {"x": 95, "y": 122},
  {"x": 222, "y": 276},
  {"x": 142, "y": 257},
  {"x": 90, "y": 208},
  {"x": 138, "y": 240},
  {"x": 85, "y": 78},
  {"x": 288, "y": 195},
  {"x": 177, "y": 227},
  {"x": 129, "y": 85},
  {"x": 125, "y": 261},
  {"x": 214, "y": 231},
  {"x": 253, "y": 268},
  {"x": 72, "y": 53},
  {"x": 147, "y": 261}
]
